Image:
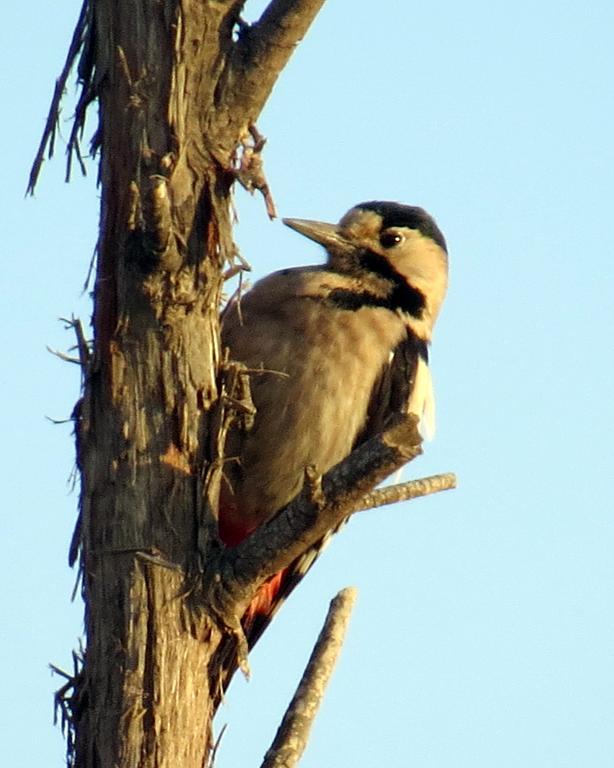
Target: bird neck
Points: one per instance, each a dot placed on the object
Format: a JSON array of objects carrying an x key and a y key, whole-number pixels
[{"x": 375, "y": 282}]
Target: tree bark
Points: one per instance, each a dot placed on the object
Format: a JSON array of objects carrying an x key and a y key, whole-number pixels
[{"x": 178, "y": 84}]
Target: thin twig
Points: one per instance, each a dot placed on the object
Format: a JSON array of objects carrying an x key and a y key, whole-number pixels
[
  {"x": 49, "y": 132},
  {"x": 412, "y": 489},
  {"x": 291, "y": 738},
  {"x": 63, "y": 356},
  {"x": 216, "y": 746}
]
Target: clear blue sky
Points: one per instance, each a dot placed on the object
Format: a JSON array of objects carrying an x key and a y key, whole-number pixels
[{"x": 484, "y": 632}]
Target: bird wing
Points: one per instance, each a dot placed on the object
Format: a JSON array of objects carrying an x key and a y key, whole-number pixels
[{"x": 404, "y": 386}]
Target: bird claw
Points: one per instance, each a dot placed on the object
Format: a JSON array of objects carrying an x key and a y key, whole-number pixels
[
  {"x": 221, "y": 607},
  {"x": 313, "y": 486}
]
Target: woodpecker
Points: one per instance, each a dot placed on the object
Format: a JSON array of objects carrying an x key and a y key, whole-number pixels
[{"x": 334, "y": 351}]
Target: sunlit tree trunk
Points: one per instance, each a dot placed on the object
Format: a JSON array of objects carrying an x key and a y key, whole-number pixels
[{"x": 179, "y": 86}]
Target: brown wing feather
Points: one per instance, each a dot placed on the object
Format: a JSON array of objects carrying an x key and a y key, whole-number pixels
[{"x": 392, "y": 390}]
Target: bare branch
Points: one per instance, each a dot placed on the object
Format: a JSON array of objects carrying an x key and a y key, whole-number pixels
[
  {"x": 412, "y": 489},
  {"x": 262, "y": 52},
  {"x": 277, "y": 543},
  {"x": 291, "y": 738}
]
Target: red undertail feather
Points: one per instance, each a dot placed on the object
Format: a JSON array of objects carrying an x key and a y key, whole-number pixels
[
  {"x": 261, "y": 609},
  {"x": 272, "y": 593},
  {"x": 232, "y": 533}
]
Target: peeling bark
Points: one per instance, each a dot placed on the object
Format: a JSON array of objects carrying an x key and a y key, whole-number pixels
[{"x": 177, "y": 94}]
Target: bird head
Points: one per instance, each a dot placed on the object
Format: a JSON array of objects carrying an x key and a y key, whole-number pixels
[{"x": 397, "y": 250}]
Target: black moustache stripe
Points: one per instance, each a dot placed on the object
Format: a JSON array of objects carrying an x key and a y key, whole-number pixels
[
  {"x": 402, "y": 295},
  {"x": 341, "y": 298}
]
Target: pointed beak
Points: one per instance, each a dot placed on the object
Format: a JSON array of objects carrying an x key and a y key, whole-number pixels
[{"x": 325, "y": 234}]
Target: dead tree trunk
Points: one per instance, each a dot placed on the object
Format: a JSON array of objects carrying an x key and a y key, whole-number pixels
[{"x": 179, "y": 87}]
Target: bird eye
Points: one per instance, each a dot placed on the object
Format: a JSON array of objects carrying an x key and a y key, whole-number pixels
[{"x": 390, "y": 239}]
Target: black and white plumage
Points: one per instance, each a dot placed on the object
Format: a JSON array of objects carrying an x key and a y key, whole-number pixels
[{"x": 337, "y": 349}]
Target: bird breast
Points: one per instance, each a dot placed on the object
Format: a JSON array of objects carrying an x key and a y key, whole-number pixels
[{"x": 315, "y": 370}]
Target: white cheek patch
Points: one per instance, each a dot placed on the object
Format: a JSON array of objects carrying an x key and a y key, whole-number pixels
[{"x": 422, "y": 400}]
